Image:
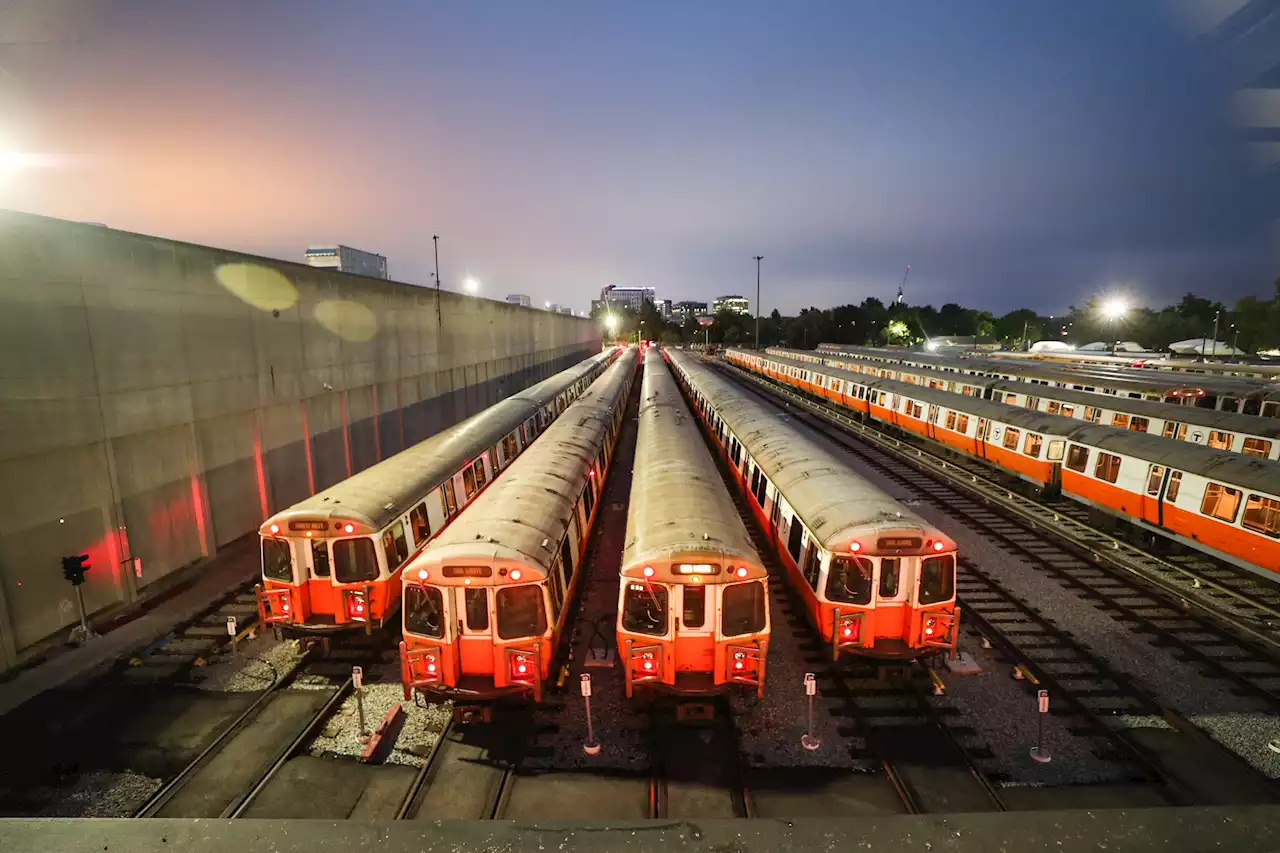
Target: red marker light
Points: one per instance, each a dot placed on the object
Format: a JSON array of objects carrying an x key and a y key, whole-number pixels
[
  {"x": 284, "y": 607},
  {"x": 515, "y": 574},
  {"x": 522, "y": 669},
  {"x": 848, "y": 631},
  {"x": 275, "y": 528},
  {"x": 648, "y": 571},
  {"x": 737, "y": 664},
  {"x": 938, "y": 546},
  {"x": 431, "y": 667},
  {"x": 648, "y": 664},
  {"x": 349, "y": 529}
]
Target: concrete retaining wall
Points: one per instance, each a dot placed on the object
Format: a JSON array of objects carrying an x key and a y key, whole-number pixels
[{"x": 158, "y": 399}]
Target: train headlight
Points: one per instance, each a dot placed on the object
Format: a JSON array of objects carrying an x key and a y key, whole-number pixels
[
  {"x": 522, "y": 667},
  {"x": 741, "y": 571},
  {"x": 850, "y": 629},
  {"x": 275, "y": 528},
  {"x": 930, "y": 626},
  {"x": 357, "y": 607},
  {"x": 938, "y": 546}
]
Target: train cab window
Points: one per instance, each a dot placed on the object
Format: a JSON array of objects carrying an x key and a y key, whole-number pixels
[
  {"x": 849, "y": 580},
  {"x": 477, "y": 605},
  {"x": 889, "y": 575},
  {"x": 1137, "y": 424},
  {"x": 644, "y": 608},
  {"x": 1011, "y": 437},
  {"x": 1172, "y": 429},
  {"x": 937, "y": 579},
  {"x": 1107, "y": 467},
  {"x": 277, "y": 560},
  {"x": 424, "y": 611},
  {"x": 742, "y": 609},
  {"x": 1263, "y": 515},
  {"x": 320, "y": 558},
  {"x": 1120, "y": 420},
  {"x": 1219, "y": 440},
  {"x": 468, "y": 482},
  {"x": 449, "y": 498},
  {"x": 478, "y": 467},
  {"x": 1220, "y": 502},
  {"x": 521, "y": 612},
  {"x": 354, "y": 560},
  {"x": 1078, "y": 458},
  {"x": 1068, "y": 411},
  {"x": 421, "y": 526},
  {"x": 1032, "y": 445},
  {"x": 1256, "y": 447},
  {"x": 1175, "y": 483},
  {"x": 394, "y": 546},
  {"x": 1154, "y": 478},
  {"x": 695, "y": 606}
]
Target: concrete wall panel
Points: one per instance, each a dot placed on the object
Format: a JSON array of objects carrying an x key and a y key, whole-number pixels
[{"x": 160, "y": 397}]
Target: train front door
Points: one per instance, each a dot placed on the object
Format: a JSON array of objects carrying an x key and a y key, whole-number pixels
[
  {"x": 475, "y": 629},
  {"x": 892, "y": 591},
  {"x": 695, "y": 629}
]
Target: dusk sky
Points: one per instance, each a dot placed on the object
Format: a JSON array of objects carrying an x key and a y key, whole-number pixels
[{"x": 1012, "y": 152}]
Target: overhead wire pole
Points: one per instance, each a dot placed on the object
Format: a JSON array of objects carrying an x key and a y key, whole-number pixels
[
  {"x": 758, "y": 258},
  {"x": 435, "y": 240}
]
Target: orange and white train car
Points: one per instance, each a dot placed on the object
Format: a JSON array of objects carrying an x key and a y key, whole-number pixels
[
  {"x": 693, "y": 602},
  {"x": 1220, "y": 503},
  {"x": 486, "y": 602},
  {"x": 332, "y": 562},
  {"x": 876, "y": 579}
]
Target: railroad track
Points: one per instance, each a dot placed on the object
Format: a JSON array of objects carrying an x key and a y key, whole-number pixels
[{"x": 1095, "y": 691}]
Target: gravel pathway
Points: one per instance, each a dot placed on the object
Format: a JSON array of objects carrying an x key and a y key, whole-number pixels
[
  {"x": 254, "y": 666},
  {"x": 422, "y": 725}
]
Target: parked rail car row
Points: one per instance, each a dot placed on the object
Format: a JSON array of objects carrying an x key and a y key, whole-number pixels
[
  {"x": 693, "y": 613},
  {"x": 1248, "y": 434},
  {"x": 876, "y": 579},
  {"x": 1229, "y": 394},
  {"x": 1267, "y": 371},
  {"x": 487, "y": 599},
  {"x": 332, "y": 562},
  {"x": 1224, "y": 504}
]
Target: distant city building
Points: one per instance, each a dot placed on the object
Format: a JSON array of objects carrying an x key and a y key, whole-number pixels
[
  {"x": 520, "y": 299},
  {"x": 688, "y": 308},
  {"x": 347, "y": 259},
  {"x": 737, "y": 304},
  {"x": 663, "y": 307},
  {"x": 631, "y": 298},
  {"x": 564, "y": 309},
  {"x": 551, "y": 306}
]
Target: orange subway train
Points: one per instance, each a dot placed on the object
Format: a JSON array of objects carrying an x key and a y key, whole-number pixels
[
  {"x": 486, "y": 602},
  {"x": 693, "y": 600},
  {"x": 331, "y": 563},
  {"x": 1223, "y": 504},
  {"x": 876, "y": 580}
]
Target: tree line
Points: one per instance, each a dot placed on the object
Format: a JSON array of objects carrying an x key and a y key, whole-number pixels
[{"x": 1252, "y": 324}]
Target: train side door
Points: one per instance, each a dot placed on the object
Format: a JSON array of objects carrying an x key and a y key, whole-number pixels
[
  {"x": 932, "y": 427},
  {"x": 980, "y": 438},
  {"x": 473, "y": 608},
  {"x": 1153, "y": 494},
  {"x": 893, "y": 588},
  {"x": 695, "y": 628}
]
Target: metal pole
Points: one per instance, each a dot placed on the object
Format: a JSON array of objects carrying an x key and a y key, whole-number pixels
[
  {"x": 1235, "y": 340},
  {"x": 357, "y": 681},
  {"x": 591, "y": 747},
  {"x": 808, "y": 740},
  {"x": 436, "y": 241},
  {"x": 759, "y": 258},
  {"x": 1217, "y": 315}
]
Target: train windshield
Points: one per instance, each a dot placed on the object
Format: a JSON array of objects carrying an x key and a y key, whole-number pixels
[
  {"x": 743, "y": 609},
  {"x": 937, "y": 579},
  {"x": 424, "y": 611},
  {"x": 849, "y": 580},
  {"x": 644, "y": 609},
  {"x": 521, "y": 612},
  {"x": 354, "y": 560},
  {"x": 277, "y": 560}
]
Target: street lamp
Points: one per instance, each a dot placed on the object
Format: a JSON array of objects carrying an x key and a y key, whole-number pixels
[
  {"x": 470, "y": 285},
  {"x": 1114, "y": 310},
  {"x": 758, "y": 259},
  {"x": 611, "y": 323}
]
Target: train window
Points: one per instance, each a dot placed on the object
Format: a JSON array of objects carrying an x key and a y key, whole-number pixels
[
  {"x": 644, "y": 609},
  {"x": 1032, "y": 445},
  {"x": 424, "y": 611},
  {"x": 776, "y": 514},
  {"x": 755, "y": 478},
  {"x": 1220, "y": 502},
  {"x": 509, "y": 447},
  {"x": 1120, "y": 420},
  {"x": 394, "y": 546},
  {"x": 1092, "y": 414},
  {"x": 1263, "y": 515},
  {"x": 1137, "y": 424},
  {"x": 962, "y": 424},
  {"x": 478, "y": 467},
  {"x": 889, "y": 572},
  {"x": 1011, "y": 437},
  {"x": 1172, "y": 427},
  {"x": 477, "y": 605},
  {"x": 914, "y": 410},
  {"x": 320, "y": 558},
  {"x": 1154, "y": 478},
  {"x": 524, "y": 437},
  {"x": 695, "y": 605},
  {"x": 1068, "y": 411},
  {"x": 742, "y": 609},
  {"x": 1107, "y": 467},
  {"x": 1219, "y": 440},
  {"x": 421, "y": 526},
  {"x": 849, "y": 580},
  {"x": 1054, "y": 407},
  {"x": 1078, "y": 458},
  {"x": 277, "y": 560},
  {"x": 937, "y": 579},
  {"x": 588, "y": 500},
  {"x": 566, "y": 558},
  {"x": 1175, "y": 483},
  {"x": 1256, "y": 447},
  {"x": 1056, "y": 448},
  {"x": 794, "y": 540},
  {"x": 449, "y": 498},
  {"x": 760, "y": 490},
  {"x": 521, "y": 612},
  {"x": 950, "y": 422},
  {"x": 811, "y": 564},
  {"x": 469, "y": 482},
  {"x": 354, "y": 560}
]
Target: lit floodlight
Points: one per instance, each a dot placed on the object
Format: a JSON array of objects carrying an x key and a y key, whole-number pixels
[
  {"x": 1114, "y": 308},
  {"x": 611, "y": 322},
  {"x": 931, "y": 346},
  {"x": 470, "y": 285}
]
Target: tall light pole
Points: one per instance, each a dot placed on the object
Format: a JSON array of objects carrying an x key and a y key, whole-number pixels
[
  {"x": 759, "y": 258},
  {"x": 1114, "y": 310},
  {"x": 1217, "y": 315},
  {"x": 435, "y": 240}
]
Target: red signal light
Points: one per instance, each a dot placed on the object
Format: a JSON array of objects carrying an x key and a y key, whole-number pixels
[{"x": 356, "y": 606}]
